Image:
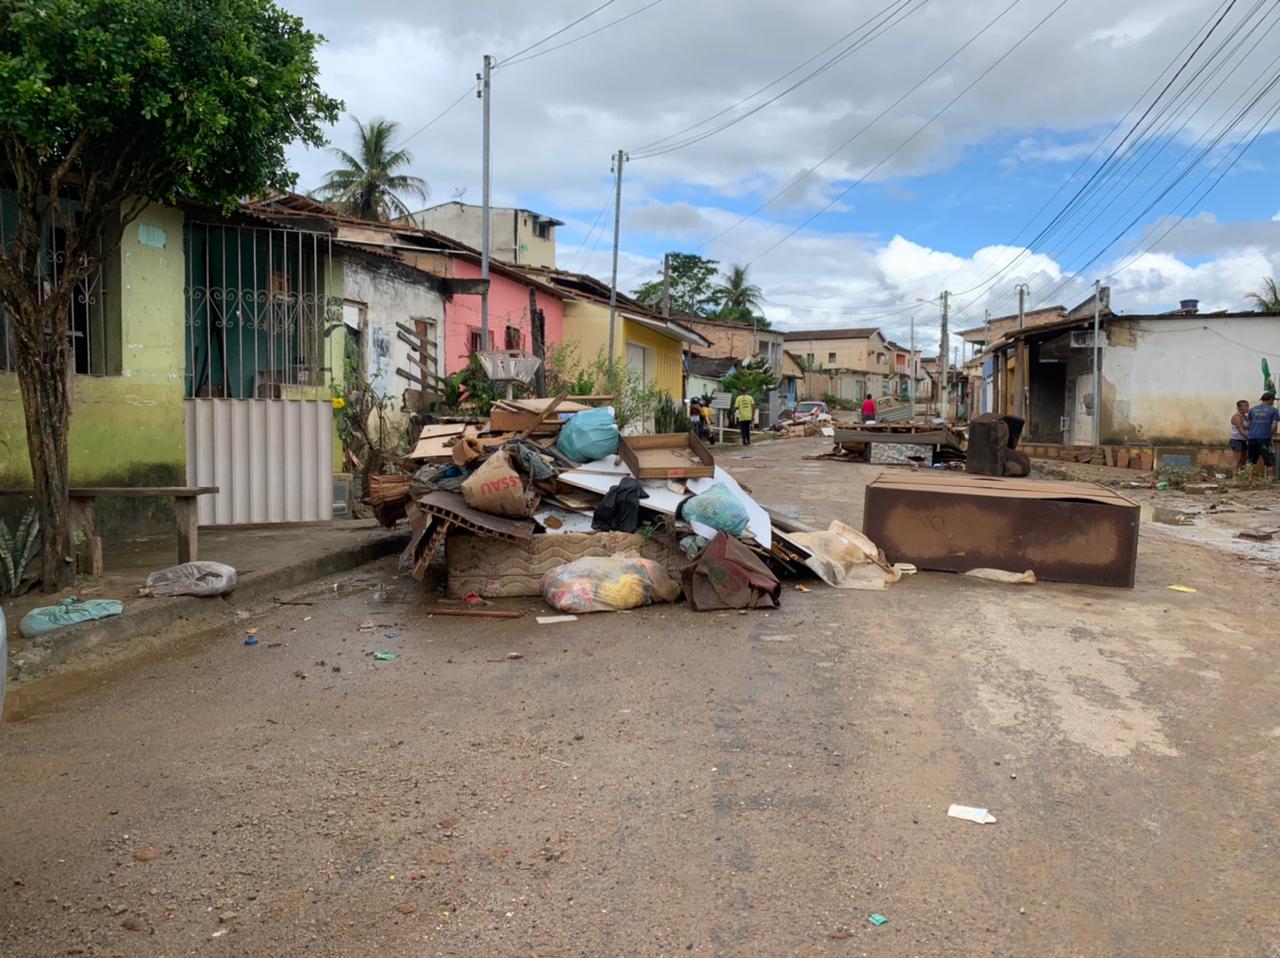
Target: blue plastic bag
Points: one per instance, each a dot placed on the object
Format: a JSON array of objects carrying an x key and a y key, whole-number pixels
[
  {"x": 70, "y": 611},
  {"x": 718, "y": 508},
  {"x": 589, "y": 435}
]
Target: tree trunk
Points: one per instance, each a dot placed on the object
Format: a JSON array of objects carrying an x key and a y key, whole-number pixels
[{"x": 42, "y": 377}]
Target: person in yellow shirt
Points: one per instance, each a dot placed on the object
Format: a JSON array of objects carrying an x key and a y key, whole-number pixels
[{"x": 745, "y": 407}]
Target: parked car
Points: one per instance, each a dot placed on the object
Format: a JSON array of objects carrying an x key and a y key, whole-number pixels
[{"x": 811, "y": 409}]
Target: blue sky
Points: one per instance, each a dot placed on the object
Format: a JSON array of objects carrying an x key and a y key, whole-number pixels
[{"x": 944, "y": 211}]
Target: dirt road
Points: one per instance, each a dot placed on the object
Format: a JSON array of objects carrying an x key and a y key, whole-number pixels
[{"x": 665, "y": 782}]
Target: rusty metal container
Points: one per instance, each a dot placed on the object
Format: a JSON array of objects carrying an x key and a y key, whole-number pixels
[{"x": 1063, "y": 531}]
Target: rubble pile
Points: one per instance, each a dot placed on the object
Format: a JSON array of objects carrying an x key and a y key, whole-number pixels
[{"x": 547, "y": 498}]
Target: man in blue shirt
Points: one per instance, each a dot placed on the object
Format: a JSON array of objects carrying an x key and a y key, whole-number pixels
[{"x": 1262, "y": 428}]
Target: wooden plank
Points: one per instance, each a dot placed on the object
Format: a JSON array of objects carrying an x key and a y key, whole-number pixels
[
  {"x": 188, "y": 529},
  {"x": 451, "y": 506},
  {"x": 98, "y": 492},
  {"x": 411, "y": 377},
  {"x": 476, "y": 613},
  {"x": 547, "y": 411}
]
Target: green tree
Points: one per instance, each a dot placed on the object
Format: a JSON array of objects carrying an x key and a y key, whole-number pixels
[
  {"x": 755, "y": 376},
  {"x": 1266, "y": 299},
  {"x": 736, "y": 292},
  {"x": 367, "y": 186},
  {"x": 105, "y": 106},
  {"x": 690, "y": 282}
]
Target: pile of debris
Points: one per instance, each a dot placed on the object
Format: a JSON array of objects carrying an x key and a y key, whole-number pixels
[{"x": 547, "y": 498}]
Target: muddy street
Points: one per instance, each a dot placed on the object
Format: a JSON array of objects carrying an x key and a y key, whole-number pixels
[{"x": 666, "y": 782}]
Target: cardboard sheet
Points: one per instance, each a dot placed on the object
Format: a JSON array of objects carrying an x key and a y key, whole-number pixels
[{"x": 436, "y": 442}]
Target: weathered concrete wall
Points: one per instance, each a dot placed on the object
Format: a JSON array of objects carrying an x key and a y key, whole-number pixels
[
  {"x": 386, "y": 295},
  {"x": 1175, "y": 380},
  {"x": 512, "y": 236},
  {"x": 736, "y": 341},
  {"x": 868, "y": 354},
  {"x": 126, "y": 429}
]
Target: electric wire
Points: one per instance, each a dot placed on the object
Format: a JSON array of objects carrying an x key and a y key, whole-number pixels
[
  {"x": 879, "y": 116},
  {"x": 560, "y": 46},
  {"x": 920, "y": 129},
  {"x": 1075, "y": 199},
  {"x": 586, "y": 238},
  {"x": 552, "y": 36},
  {"x": 897, "y": 7}
]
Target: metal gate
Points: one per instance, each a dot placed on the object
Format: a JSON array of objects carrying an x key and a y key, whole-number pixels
[
  {"x": 272, "y": 459},
  {"x": 259, "y": 412}
]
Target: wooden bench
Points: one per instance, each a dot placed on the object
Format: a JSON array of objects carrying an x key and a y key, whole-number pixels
[{"x": 83, "y": 503}]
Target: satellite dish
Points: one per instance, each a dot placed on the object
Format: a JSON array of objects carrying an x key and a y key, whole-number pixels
[{"x": 459, "y": 192}]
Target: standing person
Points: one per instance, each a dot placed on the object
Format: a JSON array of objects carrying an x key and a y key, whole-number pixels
[
  {"x": 1262, "y": 429},
  {"x": 1240, "y": 432},
  {"x": 745, "y": 407},
  {"x": 868, "y": 409}
]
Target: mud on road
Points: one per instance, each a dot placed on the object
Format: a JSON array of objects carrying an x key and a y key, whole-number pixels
[{"x": 666, "y": 782}]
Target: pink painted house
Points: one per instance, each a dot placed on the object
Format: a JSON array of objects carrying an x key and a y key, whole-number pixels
[{"x": 509, "y": 325}]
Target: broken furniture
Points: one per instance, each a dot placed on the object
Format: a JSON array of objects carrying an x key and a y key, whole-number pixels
[
  {"x": 1064, "y": 531},
  {"x": 83, "y": 531},
  {"x": 900, "y": 443},
  {"x": 993, "y": 447},
  {"x": 676, "y": 455}
]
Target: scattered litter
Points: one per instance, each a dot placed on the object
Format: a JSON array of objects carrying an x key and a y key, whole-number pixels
[
  {"x": 513, "y": 656},
  {"x": 555, "y": 619},
  {"x": 877, "y": 919},
  {"x": 146, "y": 855},
  {"x": 845, "y": 558},
  {"x": 802, "y": 588},
  {"x": 1002, "y": 575},
  {"x": 692, "y": 546},
  {"x": 219, "y": 933},
  {"x": 904, "y": 568},
  {"x": 192, "y": 578},
  {"x": 365, "y": 627},
  {"x": 1182, "y": 588},
  {"x": 777, "y": 638},
  {"x": 474, "y": 598},
  {"x": 250, "y": 640},
  {"x": 1257, "y": 535},
  {"x": 385, "y": 656},
  {"x": 70, "y": 611},
  {"x": 393, "y": 634},
  {"x": 971, "y": 814}
]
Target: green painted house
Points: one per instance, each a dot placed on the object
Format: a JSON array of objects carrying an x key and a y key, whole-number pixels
[{"x": 204, "y": 352}]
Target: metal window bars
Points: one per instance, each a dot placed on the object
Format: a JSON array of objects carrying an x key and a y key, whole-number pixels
[
  {"x": 258, "y": 312},
  {"x": 94, "y": 348}
]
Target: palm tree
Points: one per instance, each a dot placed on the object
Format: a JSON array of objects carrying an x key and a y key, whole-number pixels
[
  {"x": 368, "y": 186},
  {"x": 737, "y": 294},
  {"x": 1268, "y": 298}
]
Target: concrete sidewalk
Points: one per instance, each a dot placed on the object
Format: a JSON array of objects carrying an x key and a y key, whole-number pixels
[{"x": 267, "y": 559}]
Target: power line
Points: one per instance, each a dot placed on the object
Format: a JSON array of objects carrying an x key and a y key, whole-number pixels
[
  {"x": 438, "y": 117},
  {"x": 1076, "y": 197},
  {"x": 1084, "y": 228},
  {"x": 512, "y": 60},
  {"x": 657, "y": 147},
  {"x": 879, "y": 116},
  {"x": 591, "y": 231},
  {"x": 920, "y": 129},
  {"x": 560, "y": 46},
  {"x": 552, "y": 36}
]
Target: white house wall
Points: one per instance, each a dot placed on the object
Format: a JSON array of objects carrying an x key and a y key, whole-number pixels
[
  {"x": 387, "y": 297},
  {"x": 1177, "y": 379}
]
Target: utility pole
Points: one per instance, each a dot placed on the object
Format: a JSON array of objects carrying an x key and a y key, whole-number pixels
[
  {"x": 943, "y": 349},
  {"x": 483, "y": 93},
  {"x": 1022, "y": 305},
  {"x": 912, "y": 366},
  {"x": 1097, "y": 367},
  {"x": 618, "y": 159},
  {"x": 666, "y": 285}
]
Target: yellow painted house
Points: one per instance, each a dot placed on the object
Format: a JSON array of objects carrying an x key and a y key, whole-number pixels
[{"x": 650, "y": 343}]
